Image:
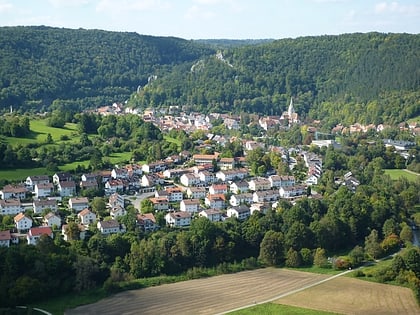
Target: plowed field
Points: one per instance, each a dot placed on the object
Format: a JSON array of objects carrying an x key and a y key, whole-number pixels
[{"x": 220, "y": 294}]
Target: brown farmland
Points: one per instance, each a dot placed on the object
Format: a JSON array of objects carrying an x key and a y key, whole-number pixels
[{"x": 223, "y": 293}]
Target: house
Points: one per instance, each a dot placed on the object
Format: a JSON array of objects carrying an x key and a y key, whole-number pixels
[
  {"x": 240, "y": 212},
  {"x": 10, "y": 206},
  {"x": 213, "y": 215},
  {"x": 236, "y": 200},
  {"x": 312, "y": 180},
  {"x": 22, "y": 222},
  {"x": 178, "y": 219},
  {"x": 196, "y": 192},
  {"x": 174, "y": 194},
  {"x": 174, "y": 172},
  {"x": 231, "y": 175},
  {"x": 239, "y": 187},
  {"x": 189, "y": 205},
  {"x": 31, "y": 181},
  {"x": 226, "y": 163},
  {"x": 155, "y": 167},
  {"x": 160, "y": 203},
  {"x": 266, "y": 196},
  {"x": 119, "y": 173},
  {"x": 149, "y": 180},
  {"x": 5, "y": 238},
  {"x": 216, "y": 201},
  {"x": 62, "y": 177},
  {"x": 114, "y": 185},
  {"x": 81, "y": 234},
  {"x": 278, "y": 181},
  {"x": 13, "y": 192},
  {"x": 89, "y": 184},
  {"x": 86, "y": 217},
  {"x": 259, "y": 183},
  {"x": 134, "y": 170},
  {"x": 200, "y": 159},
  {"x": 116, "y": 200},
  {"x": 52, "y": 219},
  {"x": 117, "y": 212},
  {"x": 36, "y": 232},
  {"x": 218, "y": 189},
  {"x": 292, "y": 192},
  {"x": 146, "y": 222},
  {"x": 78, "y": 203},
  {"x": 206, "y": 177},
  {"x": 67, "y": 188},
  {"x": 89, "y": 177},
  {"x": 190, "y": 180},
  {"x": 110, "y": 227},
  {"x": 41, "y": 204},
  {"x": 261, "y": 207},
  {"x": 43, "y": 190}
]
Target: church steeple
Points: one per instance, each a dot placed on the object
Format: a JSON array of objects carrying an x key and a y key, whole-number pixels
[{"x": 290, "y": 110}]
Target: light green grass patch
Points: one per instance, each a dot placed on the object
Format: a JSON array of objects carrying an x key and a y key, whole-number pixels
[
  {"x": 21, "y": 174},
  {"x": 274, "y": 309},
  {"x": 173, "y": 140},
  {"x": 119, "y": 158},
  {"x": 397, "y": 174},
  {"x": 40, "y": 130},
  {"x": 315, "y": 269}
]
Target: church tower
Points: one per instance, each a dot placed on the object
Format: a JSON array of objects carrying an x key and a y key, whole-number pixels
[{"x": 290, "y": 110}]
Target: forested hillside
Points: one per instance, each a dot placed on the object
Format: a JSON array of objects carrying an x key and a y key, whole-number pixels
[
  {"x": 81, "y": 67},
  {"x": 370, "y": 77},
  {"x": 347, "y": 71}
]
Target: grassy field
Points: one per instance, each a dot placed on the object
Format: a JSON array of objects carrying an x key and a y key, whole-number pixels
[
  {"x": 40, "y": 130},
  {"x": 396, "y": 174},
  {"x": 22, "y": 173}
]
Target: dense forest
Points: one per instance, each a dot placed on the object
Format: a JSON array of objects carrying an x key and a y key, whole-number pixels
[
  {"x": 83, "y": 68},
  {"x": 337, "y": 78}
]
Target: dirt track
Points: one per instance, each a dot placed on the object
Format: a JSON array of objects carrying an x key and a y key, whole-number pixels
[{"x": 204, "y": 296}]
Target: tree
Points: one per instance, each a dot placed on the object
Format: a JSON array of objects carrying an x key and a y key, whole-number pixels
[
  {"x": 99, "y": 206},
  {"x": 307, "y": 257},
  {"x": 390, "y": 227},
  {"x": 372, "y": 245},
  {"x": 146, "y": 206},
  {"x": 406, "y": 234},
  {"x": 320, "y": 259},
  {"x": 412, "y": 260},
  {"x": 272, "y": 249},
  {"x": 86, "y": 269},
  {"x": 357, "y": 255},
  {"x": 293, "y": 258}
]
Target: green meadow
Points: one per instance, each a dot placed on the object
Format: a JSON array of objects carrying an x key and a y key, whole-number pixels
[
  {"x": 396, "y": 174},
  {"x": 40, "y": 130}
]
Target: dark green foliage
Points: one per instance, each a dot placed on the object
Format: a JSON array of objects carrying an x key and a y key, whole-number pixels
[{"x": 81, "y": 67}]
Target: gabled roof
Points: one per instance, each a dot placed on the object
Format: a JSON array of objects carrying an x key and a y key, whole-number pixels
[
  {"x": 20, "y": 217},
  {"x": 5, "y": 235},
  {"x": 37, "y": 231}
]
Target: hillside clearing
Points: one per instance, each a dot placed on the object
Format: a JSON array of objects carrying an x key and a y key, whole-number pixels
[{"x": 396, "y": 174}]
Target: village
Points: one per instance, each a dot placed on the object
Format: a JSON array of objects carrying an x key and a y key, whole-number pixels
[{"x": 183, "y": 187}]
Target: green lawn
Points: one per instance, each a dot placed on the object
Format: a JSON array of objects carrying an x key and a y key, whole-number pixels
[
  {"x": 274, "y": 309},
  {"x": 40, "y": 130},
  {"x": 22, "y": 173},
  {"x": 396, "y": 174},
  {"x": 173, "y": 140}
]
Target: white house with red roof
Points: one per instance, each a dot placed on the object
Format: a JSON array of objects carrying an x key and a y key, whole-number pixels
[
  {"x": 196, "y": 192},
  {"x": 36, "y": 232},
  {"x": 218, "y": 189},
  {"x": 22, "y": 222},
  {"x": 110, "y": 227},
  {"x": 146, "y": 221}
]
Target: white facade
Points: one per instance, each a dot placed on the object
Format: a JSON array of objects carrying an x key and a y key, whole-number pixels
[
  {"x": 86, "y": 217},
  {"x": 178, "y": 219},
  {"x": 240, "y": 212},
  {"x": 189, "y": 205},
  {"x": 10, "y": 206}
]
